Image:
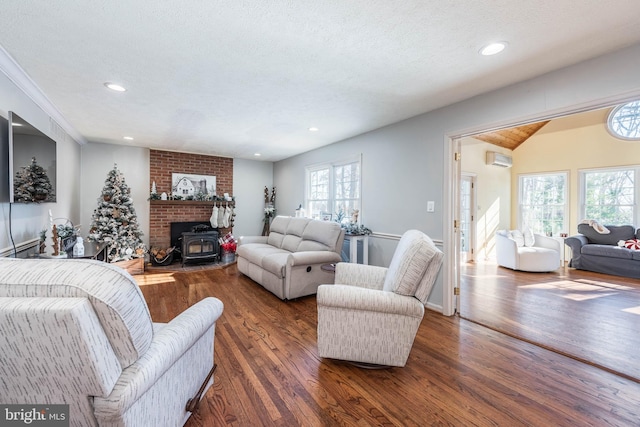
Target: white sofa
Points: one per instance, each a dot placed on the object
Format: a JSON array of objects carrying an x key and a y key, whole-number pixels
[
  {"x": 288, "y": 261},
  {"x": 538, "y": 254},
  {"x": 79, "y": 332}
]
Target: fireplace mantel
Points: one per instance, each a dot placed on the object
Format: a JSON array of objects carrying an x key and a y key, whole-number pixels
[{"x": 191, "y": 202}]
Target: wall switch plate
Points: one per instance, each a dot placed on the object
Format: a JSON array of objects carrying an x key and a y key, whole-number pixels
[{"x": 431, "y": 206}]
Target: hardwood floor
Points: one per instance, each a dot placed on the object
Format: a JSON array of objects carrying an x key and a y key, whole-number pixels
[
  {"x": 590, "y": 316},
  {"x": 458, "y": 373}
]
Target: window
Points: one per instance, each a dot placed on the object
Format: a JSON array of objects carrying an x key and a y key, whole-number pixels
[
  {"x": 543, "y": 203},
  {"x": 333, "y": 190},
  {"x": 318, "y": 183},
  {"x": 609, "y": 195},
  {"x": 624, "y": 121}
]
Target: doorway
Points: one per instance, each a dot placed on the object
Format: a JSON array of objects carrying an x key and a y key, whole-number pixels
[{"x": 562, "y": 311}]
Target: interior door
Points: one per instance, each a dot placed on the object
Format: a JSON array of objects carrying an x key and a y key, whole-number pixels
[
  {"x": 467, "y": 217},
  {"x": 455, "y": 189}
]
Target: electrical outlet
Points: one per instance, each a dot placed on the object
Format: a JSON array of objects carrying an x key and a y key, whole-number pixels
[{"x": 431, "y": 206}]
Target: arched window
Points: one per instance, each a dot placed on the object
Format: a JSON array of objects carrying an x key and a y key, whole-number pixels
[{"x": 624, "y": 121}]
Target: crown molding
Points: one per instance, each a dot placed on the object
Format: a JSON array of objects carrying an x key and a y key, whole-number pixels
[{"x": 16, "y": 74}]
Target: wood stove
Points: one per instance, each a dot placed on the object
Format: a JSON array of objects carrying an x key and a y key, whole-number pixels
[
  {"x": 200, "y": 246},
  {"x": 197, "y": 241}
]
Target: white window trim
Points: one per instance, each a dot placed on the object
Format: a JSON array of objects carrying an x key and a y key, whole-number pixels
[
  {"x": 331, "y": 165},
  {"x": 610, "y": 119},
  {"x": 567, "y": 193},
  {"x": 581, "y": 189}
]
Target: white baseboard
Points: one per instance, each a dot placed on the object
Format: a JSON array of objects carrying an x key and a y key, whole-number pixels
[{"x": 434, "y": 307}]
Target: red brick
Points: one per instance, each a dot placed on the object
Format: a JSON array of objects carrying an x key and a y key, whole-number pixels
[{"x": 162, "y": 165}]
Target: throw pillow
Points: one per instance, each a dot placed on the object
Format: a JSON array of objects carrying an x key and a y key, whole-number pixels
[
  {"x": 518, "y": 237},
  {"x": 633, "y": 244},
  {"x": 529, "y": 238},
  {"x": 616, "y": 232}
]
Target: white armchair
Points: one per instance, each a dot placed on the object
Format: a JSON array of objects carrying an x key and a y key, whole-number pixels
[
  {"x": 371, "y": 314},
  {"x": 78, "y": 332},
  {"x": 543, "y": 255}
]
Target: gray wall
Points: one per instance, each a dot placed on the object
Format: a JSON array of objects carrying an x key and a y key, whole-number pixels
[
  {"x": 249, "y": 179},
  {"x": 408, "y": 163},
  {"x": 97, "y": 160},
  {"x": 28, "y": 220},
  {"x": 400, "y": 173}
]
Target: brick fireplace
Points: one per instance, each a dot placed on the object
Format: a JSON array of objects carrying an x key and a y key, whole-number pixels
[{"x": 163, "y": 213}]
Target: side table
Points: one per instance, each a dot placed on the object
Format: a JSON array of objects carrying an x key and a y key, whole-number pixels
[
  {"x": 353, "y": 247},
  {"x": 95, "y": 250},
  {"x": 563, "y": 249}
]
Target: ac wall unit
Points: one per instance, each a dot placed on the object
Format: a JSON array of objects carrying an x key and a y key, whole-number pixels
[{"x": 498, "y": 159}]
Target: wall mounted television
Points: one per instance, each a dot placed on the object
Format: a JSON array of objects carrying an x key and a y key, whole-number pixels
[
  {"x": 32, "y": 163},
  {"x": 4, "y": 160}
]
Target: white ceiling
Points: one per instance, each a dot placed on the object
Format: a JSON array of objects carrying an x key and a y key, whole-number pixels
[{"x": 233, "y": 77}]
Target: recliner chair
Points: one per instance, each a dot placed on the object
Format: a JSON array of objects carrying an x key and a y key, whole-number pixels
[
  {"x": 79, "y": 332},
  {"x": 371, "y": 314}
]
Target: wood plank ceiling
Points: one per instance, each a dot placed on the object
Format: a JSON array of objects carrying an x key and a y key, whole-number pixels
[{"x": 511, "y": 138}]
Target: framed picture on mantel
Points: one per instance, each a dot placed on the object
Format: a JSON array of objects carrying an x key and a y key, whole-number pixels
[{"x": 188, "y": 185}]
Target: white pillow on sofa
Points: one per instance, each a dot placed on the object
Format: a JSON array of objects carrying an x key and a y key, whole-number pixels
[
  {"x": 529, "y": 238},
  {"x": 518, "y": 237}
]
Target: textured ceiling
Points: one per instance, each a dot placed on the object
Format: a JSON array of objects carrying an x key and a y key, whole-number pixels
[{"x": 237, "y": 77}]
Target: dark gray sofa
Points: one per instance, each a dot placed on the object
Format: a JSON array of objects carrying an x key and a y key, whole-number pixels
[{"x": 600, "y": 252}]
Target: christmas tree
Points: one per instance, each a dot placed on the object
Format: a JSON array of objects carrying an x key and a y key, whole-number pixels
[
  {"x": 115, "y": 221},
  {"x": 31, "y": 184}
]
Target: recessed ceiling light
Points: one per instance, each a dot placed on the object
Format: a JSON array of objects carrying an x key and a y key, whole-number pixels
[
  {"x": 257, "y": 154},
  {"x": 313, "y": 129},
  {"x": 493, "y": 48},
  {"x": 115, "y": 87},
  {"x": 128, "y": 138}
]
